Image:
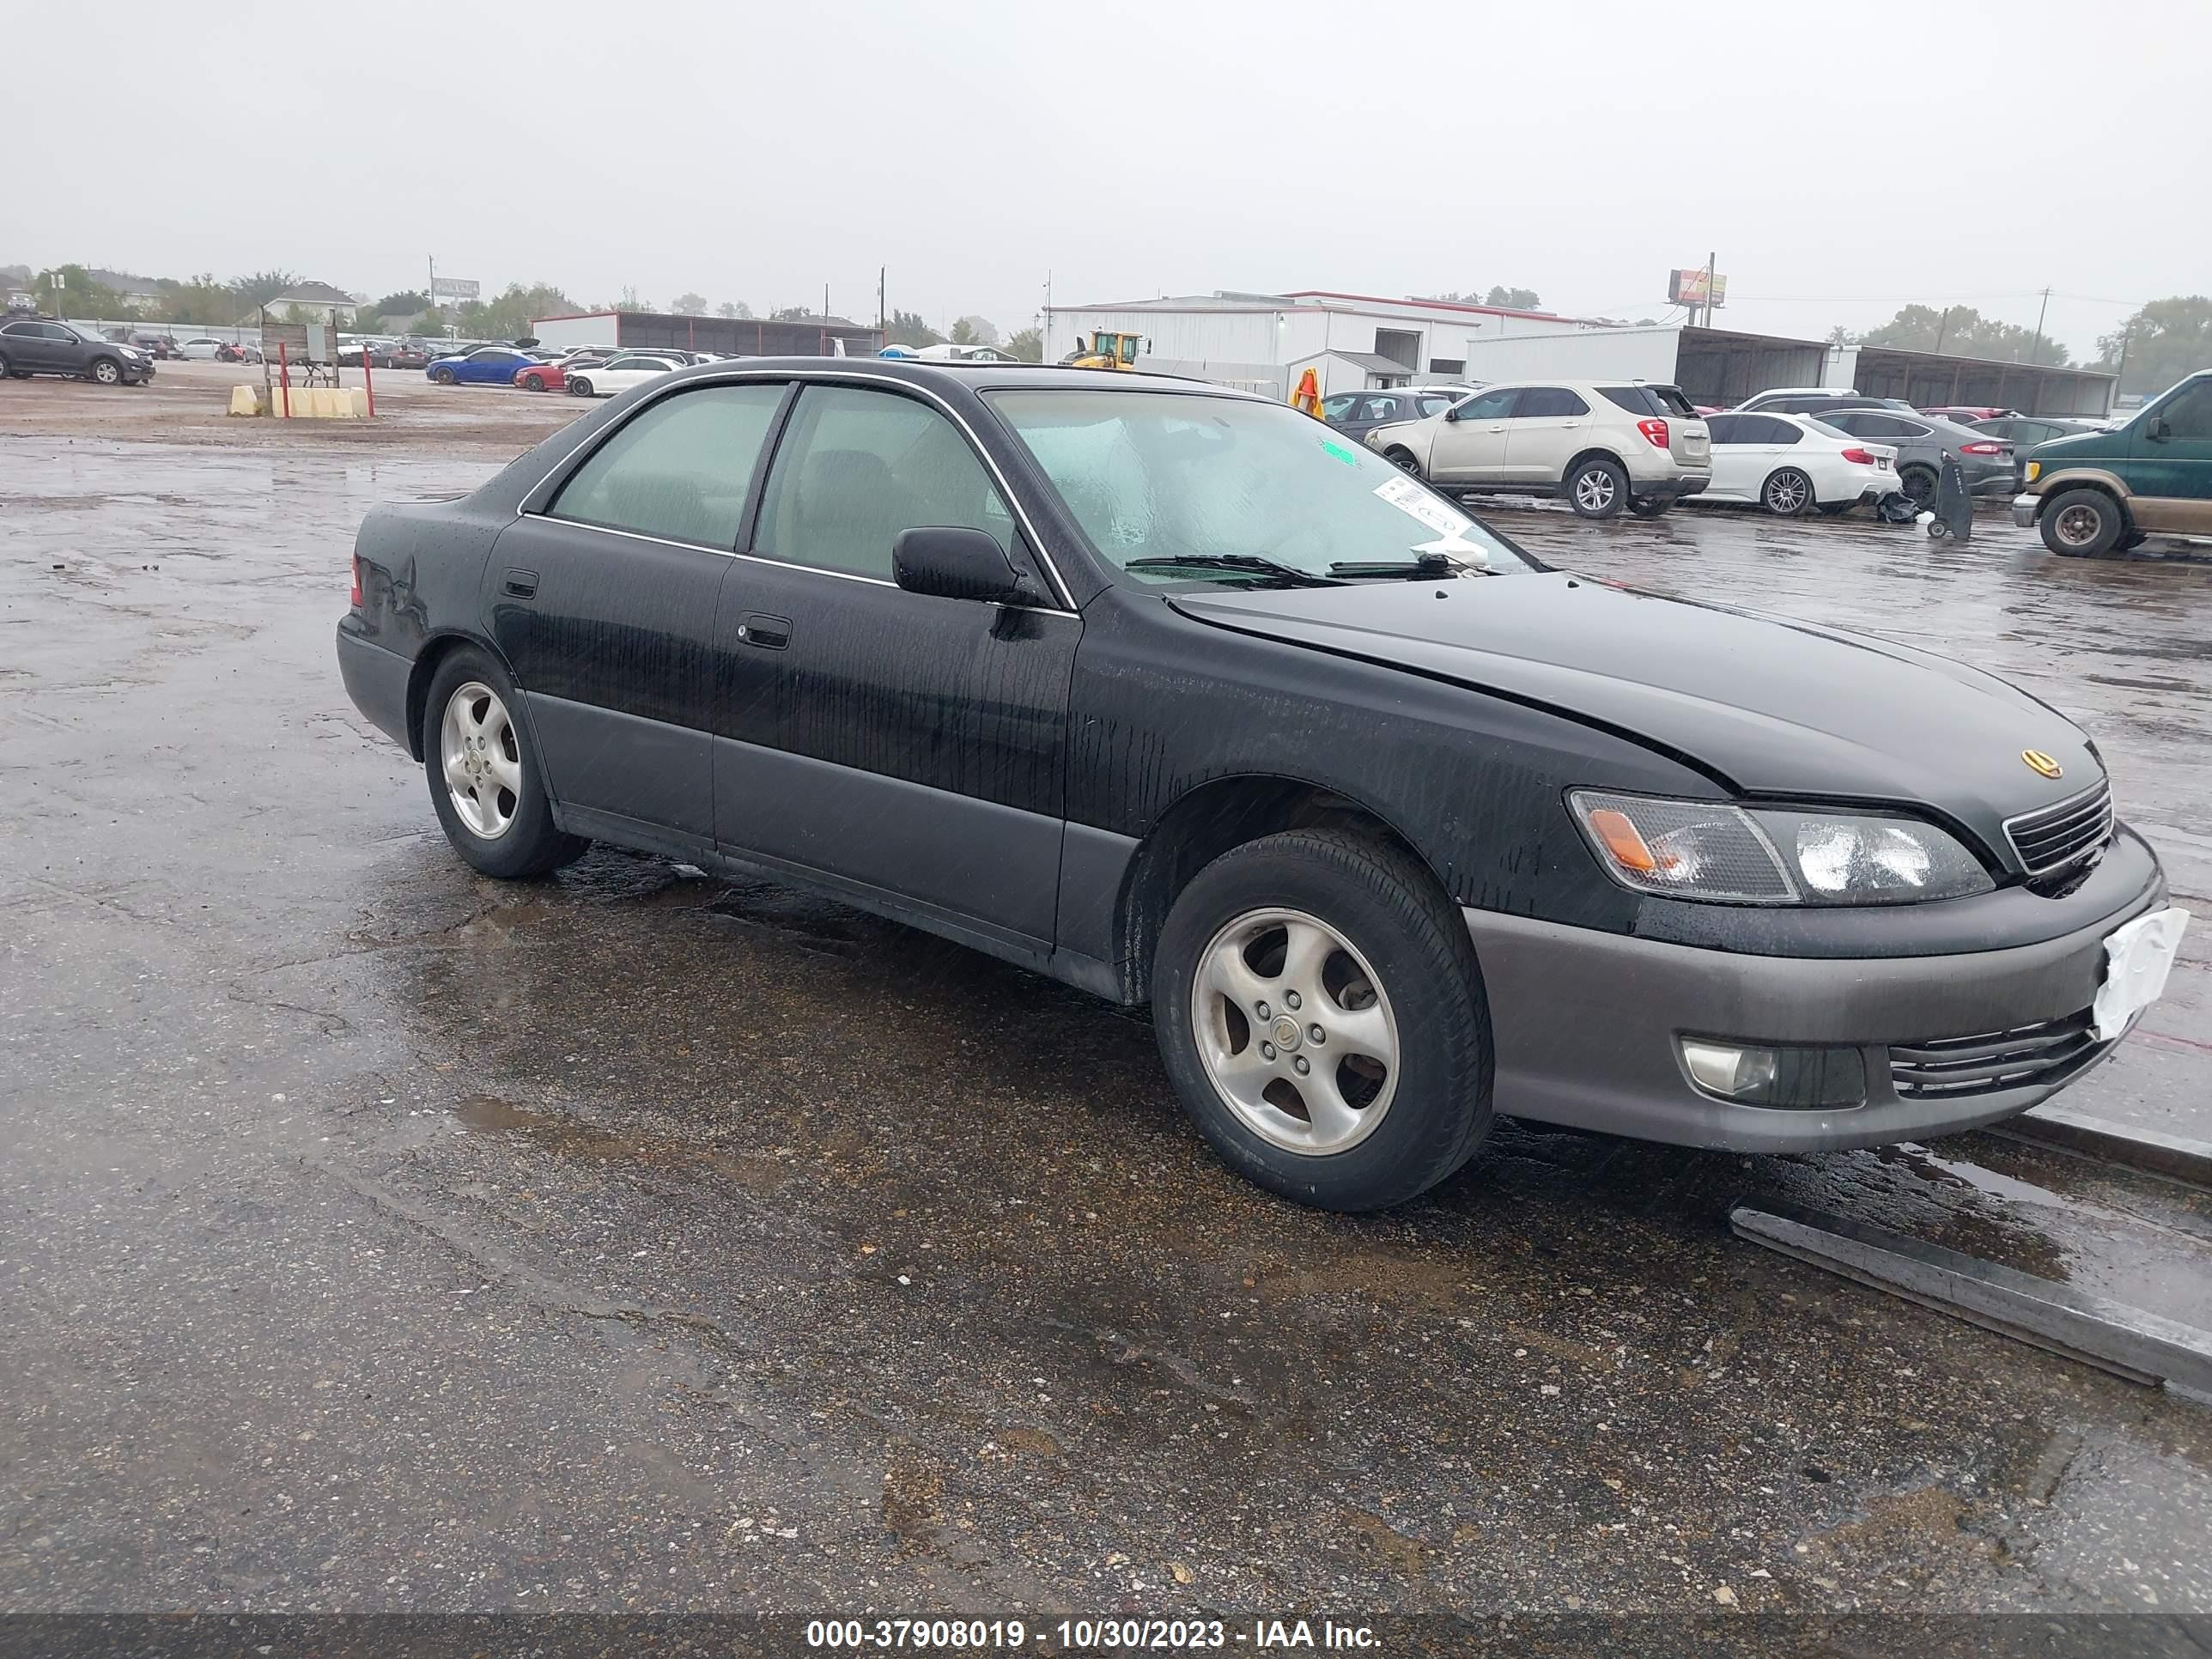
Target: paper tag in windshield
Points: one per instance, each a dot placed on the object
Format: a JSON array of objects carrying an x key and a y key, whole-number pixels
[{"x": 1416, "y": 503}]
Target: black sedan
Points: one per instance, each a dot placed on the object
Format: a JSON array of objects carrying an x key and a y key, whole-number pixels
[
  {"x": 1356, "y": 414},
  {"x": 1169, "y": 692}
]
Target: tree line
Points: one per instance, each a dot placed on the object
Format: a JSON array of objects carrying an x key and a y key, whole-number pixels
[{"x": 2153, "y": 348}]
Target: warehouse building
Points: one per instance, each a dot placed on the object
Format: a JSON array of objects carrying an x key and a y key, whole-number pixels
[
  {"x": 730, "y": 337},
  {"x": 1720, "y": 368},
  {"x": 1265, "y": 342}
]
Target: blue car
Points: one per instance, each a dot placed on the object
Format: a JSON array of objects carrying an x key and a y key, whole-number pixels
[{"x": 490, "y": 365}]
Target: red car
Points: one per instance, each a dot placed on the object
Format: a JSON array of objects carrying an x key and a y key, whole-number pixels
[
  {"x": 553, "y": 377},
  {"x": 1966, "y": 413}
]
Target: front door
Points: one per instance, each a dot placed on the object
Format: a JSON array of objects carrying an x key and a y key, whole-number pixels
[
  {"x": 41, "y": 346},
  {"x": 1471, "y": 449},
  {"x": 913, "y": 746},
  {"x": 2170, "y": 462},
  {"x": 1550, "y": 427},
  {"x": 603, "y": 603}
]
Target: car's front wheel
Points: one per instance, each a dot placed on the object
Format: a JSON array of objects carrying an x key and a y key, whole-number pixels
[
  {"x": 1788, "y": 494},
  {"x": 1597, "y": 488},
  {"x": 2082, "y": 523},
  {"x": 1320, "y": 1011},
  {"x": 444, "y": 377},
  {"x": 1650, "y": 506},
  {"x": 484, "y": 776},
  {"x": 1401, "y": 457},
  {"x": 106, "y": 371},
  {"x": 579, "y": 387}
]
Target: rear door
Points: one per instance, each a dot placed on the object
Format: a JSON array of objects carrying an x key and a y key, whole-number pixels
[
  {"x": 1550, "y": 425},
  {"x": 911, "y": 745},
  {"x": 601, "y": 597},
  {"x": 1471, "y": 449},
  {"x": 2170, "y": 462},
  {"x": 42, "y": 346}
]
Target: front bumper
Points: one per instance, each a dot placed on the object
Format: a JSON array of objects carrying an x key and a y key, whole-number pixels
[
  {"x": 2024, "y": 510},
  {"x": 1584, "y": 1027}
]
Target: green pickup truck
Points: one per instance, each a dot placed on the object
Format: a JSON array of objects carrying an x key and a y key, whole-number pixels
[{"x": 2099, "y": 490}]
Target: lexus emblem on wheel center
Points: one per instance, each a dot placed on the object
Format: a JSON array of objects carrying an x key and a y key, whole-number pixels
[{"x": 2042, "y": 763}]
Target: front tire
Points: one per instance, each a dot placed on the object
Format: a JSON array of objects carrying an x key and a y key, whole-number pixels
[
  {"x": 485, "y": 781},
  {"x": 1650, "y": 506},
  {"x": 581, "y": 388},
  {"x": 444, "y": 377},
  {"x": 106, "y": 371},
  {"x": 2082, "y": 523},
  {"x": 1320, "y": 1014},
  {"x": 1402, "y": 459},
  {"x": 1597, "y": 488},
  {"x": 1788, "y": 494}
]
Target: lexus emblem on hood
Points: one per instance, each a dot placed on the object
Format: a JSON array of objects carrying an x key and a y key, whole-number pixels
[{"x": 2042, "y": 762}]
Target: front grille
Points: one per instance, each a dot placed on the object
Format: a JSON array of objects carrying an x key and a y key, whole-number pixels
[
  {"x": 2056, "y": 835},
  {"x": 1941, "y": 1069}
]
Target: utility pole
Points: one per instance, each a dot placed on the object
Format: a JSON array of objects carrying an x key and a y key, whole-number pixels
[
  {"x": 1941, "y": 329},
  {"x": 825, "y": 299},
  {"x": 2035, "y": 355},
  {"x": 882, "y": 323},
  {"x": 430, "y": 294},
  {"x": 2120, "y": 370}
]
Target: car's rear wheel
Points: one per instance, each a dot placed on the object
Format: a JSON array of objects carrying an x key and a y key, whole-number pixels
[
  {"x": 533, "y": 383},
  {"x": 484, "y": 776},
  {"x": 1787, "y": 493},
  {"x": 1320, "y": 1014},
  {"x": 2083, "y": 524},
  {"x": 1919, "y": 485},
  {"x": 1597, "y": 488},
  {"x": 106, "y": 371},
  {"x": 1650, "y": 506},
  {"x": 444, "y": 377}
]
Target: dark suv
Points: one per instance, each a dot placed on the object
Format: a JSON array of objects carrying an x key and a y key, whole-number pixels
[{"x": 45, "y": 345}]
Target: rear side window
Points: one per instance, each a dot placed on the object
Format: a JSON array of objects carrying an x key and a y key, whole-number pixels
[
  {"x": 1869, "y": 424},
  {"x": 856, "y": 468},
  {"x": 1647, "y": 400},
  {"x": 1549, "y": 402},
  {"x": 679, "y": 470}
]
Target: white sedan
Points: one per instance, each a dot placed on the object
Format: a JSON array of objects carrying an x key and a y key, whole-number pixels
[
  {"x": 1791, "y": 464},
  {"x": 620, "y": 374},
  {"x": 204, "y": 349}
]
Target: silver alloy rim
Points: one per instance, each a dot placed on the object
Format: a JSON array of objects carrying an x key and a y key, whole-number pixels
[
  {"x": 1295, "y": 1032},
  {"x": 106, "y": 373},
  {"x": 482, "y": 761},
  {"x": 2078, "y": 525},
  {"x": 1593, "y": 490},
  {"x": 1785, "y": 494}
]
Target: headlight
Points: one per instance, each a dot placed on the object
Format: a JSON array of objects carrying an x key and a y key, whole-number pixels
[
  {"x": 2034, "y": 470},
  {"x": 1719, "y": 853}
]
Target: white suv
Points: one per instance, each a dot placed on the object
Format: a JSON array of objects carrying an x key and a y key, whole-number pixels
[{"x": 1603, "y": 445}]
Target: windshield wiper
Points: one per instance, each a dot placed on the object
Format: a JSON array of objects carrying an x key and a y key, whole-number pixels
[
  {"x": 1426, "y": 564},
  {"x": 1244, "y": 563}
]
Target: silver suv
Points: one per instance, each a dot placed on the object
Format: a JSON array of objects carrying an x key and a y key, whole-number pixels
[{"x": 1603, "y": 445}]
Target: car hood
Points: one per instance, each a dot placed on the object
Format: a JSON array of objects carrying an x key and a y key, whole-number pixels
[
  {"x": 1769, "y": 707},
  {"x": 2093, "y": 445}
]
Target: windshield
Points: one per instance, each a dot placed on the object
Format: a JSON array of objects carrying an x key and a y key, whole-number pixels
[{"x": 1166, "y": 475}]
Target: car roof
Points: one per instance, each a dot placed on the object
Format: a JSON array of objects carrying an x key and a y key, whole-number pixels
[{"x": 974, "y": 375}]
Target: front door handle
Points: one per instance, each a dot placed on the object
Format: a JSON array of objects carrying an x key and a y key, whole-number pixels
[
  {"x": 769, "y": 633},
  {"x": 1499, "y": 428},
  {"x": 521, "y": 584}
]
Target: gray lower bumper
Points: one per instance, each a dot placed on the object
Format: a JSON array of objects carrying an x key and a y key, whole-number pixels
[
  {"x": 2023, "y": 511},
  {"x": 1585, "y": 1025}
]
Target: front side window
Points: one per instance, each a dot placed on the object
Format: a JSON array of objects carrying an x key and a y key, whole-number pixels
[
  {"x": 1180, "y": 476},
  {"x": 678, "y": 470},
  {"x": 2188, "y": 414},
  {"x": 857, "y": 467},
  {"x": 1491, "y": 405},
  {"x": 1723, "y": 428},
  {"x": 1339, "y": 407}
]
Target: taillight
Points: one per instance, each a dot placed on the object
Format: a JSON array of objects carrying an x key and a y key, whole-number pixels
[
  {"x": 1656, "y": 430},
  {"x": 1981, "y": 449},
  {"x": 356, "y": 582},
  {"x": 1858, "y": 458}
]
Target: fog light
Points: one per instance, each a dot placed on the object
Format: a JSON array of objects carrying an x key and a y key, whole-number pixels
[{"x": 1792, "y": 1079}]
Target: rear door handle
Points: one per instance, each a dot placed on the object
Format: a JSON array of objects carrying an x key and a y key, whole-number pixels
[
  {"x": 521, "y": 584},
  {"x": 769, "y": 633}
]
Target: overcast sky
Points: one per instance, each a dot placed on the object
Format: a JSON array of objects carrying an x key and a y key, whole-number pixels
[{"x": 1841, "y": 159}]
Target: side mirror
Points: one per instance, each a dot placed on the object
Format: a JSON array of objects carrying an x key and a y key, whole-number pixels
[
  {"x": 953, "y": 562},
  {"x": 2158, "y": 432},
  {"x": 1452, "y": 414}
]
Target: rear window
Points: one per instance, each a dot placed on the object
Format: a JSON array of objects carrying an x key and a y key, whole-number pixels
[{"x": 1642, "y": 400}]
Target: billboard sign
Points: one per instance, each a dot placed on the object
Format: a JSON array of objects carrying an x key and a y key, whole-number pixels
[
  {"x": 1696, "y": 287},
  {"x": 443, "y": 288}
]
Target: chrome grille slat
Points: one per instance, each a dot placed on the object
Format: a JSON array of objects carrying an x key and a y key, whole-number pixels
[
  {"x": 1988, "y": 1061},
  {"x": 2052, "y": 837}
]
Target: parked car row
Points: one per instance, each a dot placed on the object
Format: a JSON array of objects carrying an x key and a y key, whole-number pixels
[{"x": 47, "y": 345}]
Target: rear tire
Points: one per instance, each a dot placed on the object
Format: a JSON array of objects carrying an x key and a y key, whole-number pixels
[
  {"x": 1382, "y": 966},
  {"x": 1597, "y": 487},
  {"x": 1787, "y": 493},
  {"x": 485, "y": 779},
  {"x": 1650, "y": 506},
  {"x": 2082, "y": 523},
  {"x": 533, "y": 383},
  {"x": 1919, "y": 485}
]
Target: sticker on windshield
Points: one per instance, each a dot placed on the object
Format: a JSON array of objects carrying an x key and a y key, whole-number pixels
[
  {"x": 1330, "y": 447},
  {"x": 1409, "y": 498}
]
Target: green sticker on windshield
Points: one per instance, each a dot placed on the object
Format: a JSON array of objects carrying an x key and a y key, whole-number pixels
[{"x": 1340, "y": 451}]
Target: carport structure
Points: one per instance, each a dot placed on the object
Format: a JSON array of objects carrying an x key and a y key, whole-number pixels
[{"x": 1929, "y": 379}]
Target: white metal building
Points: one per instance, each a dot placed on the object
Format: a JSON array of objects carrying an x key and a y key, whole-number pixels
[{"x": 1266, "y": 341}]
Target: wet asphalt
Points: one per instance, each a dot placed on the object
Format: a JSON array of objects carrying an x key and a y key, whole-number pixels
[{"x": 376, "y": 1236}]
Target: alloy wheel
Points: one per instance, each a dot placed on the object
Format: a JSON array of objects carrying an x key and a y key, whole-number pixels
[
  {"x": 482, "y": 761},
  {"x": 1295, "y": 1032},
  {"x": 1594, "y": 490},
  {"x": 1786, "y": 494}
]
